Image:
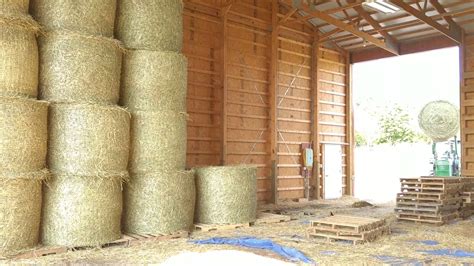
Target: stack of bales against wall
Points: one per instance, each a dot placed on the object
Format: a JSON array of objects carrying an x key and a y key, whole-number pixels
[
  {"x": 88, "y": 150},
  {"x": 160, "y": 195},
  {"x": 23, "y": 130}
]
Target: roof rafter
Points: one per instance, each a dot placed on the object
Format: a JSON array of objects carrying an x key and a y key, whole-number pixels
[
  {"x": 454, "y": 33},
  {"x": 441, "y": 10}
]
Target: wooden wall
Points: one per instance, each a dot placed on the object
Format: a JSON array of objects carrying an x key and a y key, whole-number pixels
[
  {"x": 467, "y": 107},
  {"x": 230, "y": 104}
]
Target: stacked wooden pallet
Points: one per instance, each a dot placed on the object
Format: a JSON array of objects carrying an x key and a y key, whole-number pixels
[
  {"x": 431, "y": 200},
  {"x": 467, "y": 208},
  {"x": 348, "y": 228}
]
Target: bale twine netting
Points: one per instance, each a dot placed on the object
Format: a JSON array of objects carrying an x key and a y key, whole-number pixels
[
  {"x": 439, "y": 120},
  {"x": 79, "y": 68},
  {"x": 23, "y": 135},
  {"x": 226, "y": 194},
  {"x": 18, "y": 55},
  {"x": 15, "y": 5},
  {"x": 159, "y": 203},
  {"x": 154, "y": 81},
  {"x": 158, "y": 141},
  {"x": 81, "y": 210},
  {"x": 20, "y": 211},
  {"x": 88, "y": 139},
  {"x": 150, "y": 24},
  {"x": 92, "y": 17}
]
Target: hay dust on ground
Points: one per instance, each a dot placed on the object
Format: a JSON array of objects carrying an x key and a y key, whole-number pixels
[{"x": 403, "y": 243}]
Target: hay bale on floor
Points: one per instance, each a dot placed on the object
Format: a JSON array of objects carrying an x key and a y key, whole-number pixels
[
  {"x": 88, "y": 139},
  {"x": 81, "y": 210},
  {"x": 20, "y": 211},
  {"x": 92, "y": 17},
  {"x": 15, "y": 5},
  {"x": 159, "y": 203},
  {"x": 150, "y": 24},
  {"x": 18, "y": 55},
  {"x": 23, "y": 135},
  {"x": 158, "y": 141},
  {"x": 226, "y": 194},
  {"x": 79, "y": 68},
  {"x": 154, "y": 81}
]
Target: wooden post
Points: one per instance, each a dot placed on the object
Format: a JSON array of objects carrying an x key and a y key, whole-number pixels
[
  {"x": 315, "y": 182},
  {"x": 273, "y": 92},
  {"x": 224, "y": 19},
  {"x": 462, "y": 51},
  {"x": 349, "y": 129}
]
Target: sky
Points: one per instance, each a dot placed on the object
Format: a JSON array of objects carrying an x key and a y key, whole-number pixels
[{"x": 410, "y": 81}]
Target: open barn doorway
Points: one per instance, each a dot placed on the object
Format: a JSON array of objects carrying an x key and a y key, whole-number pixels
[{"x": 388, "y": 97}]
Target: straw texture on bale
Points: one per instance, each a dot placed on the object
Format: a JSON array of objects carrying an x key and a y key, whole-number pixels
[
  {"x": 439, "y": 120},
  {"x": 88, "y": 140},
  {"x": 18, "y": 55},
  {"x": 154, "y": 81},
  {"x": 158, "y": 141},
  {"x": 81, "y": 210},
  {"x": 23, "y": 135},
  {"x": 79, "y": 68},
  {"x": 92, "y": 17},
  {"x": 15, "y": 5},
  {"x": 161, "y": 202},
  {"x": 226, "y": 194},
  {"x": 20, "y": 212},
  {"x": 150, "y": 24}
]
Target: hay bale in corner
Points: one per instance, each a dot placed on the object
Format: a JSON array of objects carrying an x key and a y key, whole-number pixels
[
  {"x": 154, "y": 81},
  {"x": 15, "y": 5},
  {"x": 23, "y": 135},
  {"x": 150, "y": 24},
  {"x": 159, "y": 203},
  {"x": 79, "y": 68},
  {"x": 81, "y": 210},
  {"x": 92, "y": 17},
  {"x": 20, "y": 211},
  {"x": 18, "y": 55},
  {"x": 158, "y": 141},
  {"x": 226, "y": 194},
  {"x": 88, "y": 139}
]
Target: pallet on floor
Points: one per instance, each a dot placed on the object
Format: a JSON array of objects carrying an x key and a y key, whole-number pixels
[
  {"x": 468, "y": 197},
  {"x": 332, "y": 235},
  {"x": 427, "y": 218},
  {"x": 126, "y": 240},
  {"x": 348, "y": 223},
  {"x": 218, "y": 227},
  {"x": 270, "y": 218},
  {"x": 424, "y": 209}
]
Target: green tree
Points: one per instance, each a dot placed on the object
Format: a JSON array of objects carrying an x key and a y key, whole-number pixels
[
  {"x": 395, "y": 127},
  {"x": 360, "y": 139}
]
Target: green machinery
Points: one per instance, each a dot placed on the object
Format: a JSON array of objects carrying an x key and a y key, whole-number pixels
[{"x": 440, "y": 121}]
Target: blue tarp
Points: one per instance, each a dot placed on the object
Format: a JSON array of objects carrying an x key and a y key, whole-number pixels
[
  {"x": 395, "y": 261},
  {"x": 252, "y": 242},
  {"x": 449, "y": 252},
  {"x": 428, "y": 242}
]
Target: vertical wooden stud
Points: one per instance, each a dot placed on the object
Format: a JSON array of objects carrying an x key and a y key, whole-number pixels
[
  {"x": 349, "y": 129},
  {"x": 224, "y": 40},
  {"x": 273, "y": 101},
  {"x": 315, "y": 182}
]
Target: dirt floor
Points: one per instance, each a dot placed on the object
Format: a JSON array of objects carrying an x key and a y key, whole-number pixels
[{"x": 402, "y": 246}]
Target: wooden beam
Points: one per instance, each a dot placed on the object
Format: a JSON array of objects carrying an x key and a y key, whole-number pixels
[
  {"x": 441, "y": 10},
  {"x": 344, "y": 26},
  {"x": 315, "y": 110},
  {"x": 273, "y": 89},
  {"x": 224, "y": 20},
  {"x": 287, "y": 16},
  {"x": 454, "y": 33},
  {"x": 349, "y": 160}
]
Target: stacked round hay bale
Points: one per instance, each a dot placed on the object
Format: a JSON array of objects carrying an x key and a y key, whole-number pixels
[
  {"x": 23, "y": 130},
  {"x": 89, "y": 136},
  {"x": 160, "y": 195},
  {"x": 226, "y": 195}
]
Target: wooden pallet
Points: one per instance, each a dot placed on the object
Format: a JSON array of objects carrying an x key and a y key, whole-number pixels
[
  {"x": 403, "y": 198},
  {"x": 432, "y": 185},
  {"x": 348, "y": 223},
  {"x": 127, "y": 240},
  {"x": 432, "y": 179},
  {"x": 424, "y": 208},
  {"x": 219, "y": 227},
  {"x": 468, "y": 197},
  {"x": 270, "y": 218},
  {"x": 338, "y": 235},
  {"x": 428, "y": 195},
  {"x": 427, "y": 205},
  {"x": 427, "y": 218}
]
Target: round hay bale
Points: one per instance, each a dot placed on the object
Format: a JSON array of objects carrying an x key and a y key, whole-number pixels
[
  {"x": 20, "y": 211},
  {"x": 154, "y": 81},
  {"x": 150, "y": 24},
  {"x": 15, "y": 5},
  {"x": 159, "y": 203},
  {"x": 79, "y": 68},
  {"x": 226, "y": 194},
  {"x": 92, "y": 17},
  {"x": 439, "y": 120},
  {"x": 18, "y": 55},
  {"x": 23, "y": 135},
  {"x": 158, "y": 141},
  {"x": 88, "y": 140},
  {"x": 81, "y": 210}
]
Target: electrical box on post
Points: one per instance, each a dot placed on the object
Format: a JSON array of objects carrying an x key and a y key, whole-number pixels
[{"x": 308, "y": 158}]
